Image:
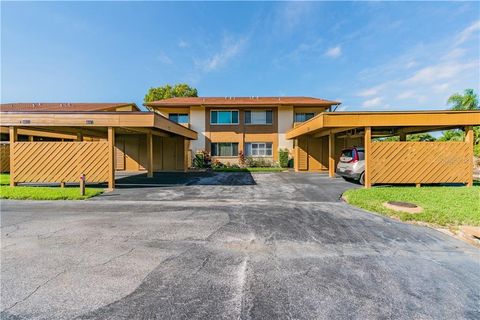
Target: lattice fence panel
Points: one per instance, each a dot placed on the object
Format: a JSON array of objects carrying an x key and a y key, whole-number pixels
[
  {"x": 60, "y": 161},
  {"x": 420, "y": 162},
  {"x": 4, "y": 157}
]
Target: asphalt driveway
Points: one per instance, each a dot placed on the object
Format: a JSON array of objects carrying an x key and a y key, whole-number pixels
[{"x": 223, "y": 246}]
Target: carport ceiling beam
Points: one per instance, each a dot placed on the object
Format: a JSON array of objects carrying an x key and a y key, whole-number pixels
[{"x": 147, "y": 131}]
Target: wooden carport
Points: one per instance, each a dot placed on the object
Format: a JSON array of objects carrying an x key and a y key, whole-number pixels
[
  {"x": 88, "y": 144},
  {"x": 319, "y": 141}
]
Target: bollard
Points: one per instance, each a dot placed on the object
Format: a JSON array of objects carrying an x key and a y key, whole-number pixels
[{"x": 82, "y": 184}]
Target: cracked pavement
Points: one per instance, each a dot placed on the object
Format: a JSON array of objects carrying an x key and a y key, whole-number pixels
[{"x": 223, "y": 246}]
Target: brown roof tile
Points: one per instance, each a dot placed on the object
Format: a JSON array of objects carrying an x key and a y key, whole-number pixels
[
  {"x": 229, "y": 101},
  {"x": 54, "y": 107}
]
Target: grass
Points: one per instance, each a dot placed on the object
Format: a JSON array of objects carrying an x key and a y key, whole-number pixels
[
  {"x": 46, "y": 193},
  {"x": 444, "y": 206},
  {"x": 4, "y": 179},
  {"x": 257, "y": 170},
  {"x": 43, "y": 193}
]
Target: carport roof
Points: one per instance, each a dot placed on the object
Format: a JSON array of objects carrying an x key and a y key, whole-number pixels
[
  {"x": 417, "y": 121},
  {"x": 95, "y": 123}
]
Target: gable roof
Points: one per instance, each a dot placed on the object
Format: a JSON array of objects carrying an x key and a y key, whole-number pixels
[
  {"x": 65, "y": 106},
  {"x": 241, "y": 101}
]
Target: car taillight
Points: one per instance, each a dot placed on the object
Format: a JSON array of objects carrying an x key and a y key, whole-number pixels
[{"x": 355, "y": 157}]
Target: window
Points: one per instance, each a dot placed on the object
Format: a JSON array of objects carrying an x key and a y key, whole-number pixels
[
  {"x": 258, "y": 149},
  {"x": 258, "y": 117},
  {"x": 302, "y": 117},
  {"x": 178, "y": 117},
  {"x": 224, "y": 117},
  {"x": 225, "y": 149}
]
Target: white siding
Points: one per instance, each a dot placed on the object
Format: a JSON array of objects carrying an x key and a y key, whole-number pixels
[
  {"x": 197, "y": 123},
  {"x": 285, "y": 123}
]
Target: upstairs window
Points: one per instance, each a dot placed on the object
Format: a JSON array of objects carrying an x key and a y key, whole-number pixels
[
  {"x": 178, "y": 117},
  {"x": 224, "y": 149},
  {"x": 258, "y": 149},
  {"x": 224, "y": 117},
  {"x": 302, "y": 117},
  {"x": 258, "y": 117}
]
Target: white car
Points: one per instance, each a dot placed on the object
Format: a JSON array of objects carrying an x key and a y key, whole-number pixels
[{"x": 352, "y": 164}]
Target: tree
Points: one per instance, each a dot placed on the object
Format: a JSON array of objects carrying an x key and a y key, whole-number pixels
[
  {"x": 167, "y": 91},
  {"x": 467, "y": 101}
]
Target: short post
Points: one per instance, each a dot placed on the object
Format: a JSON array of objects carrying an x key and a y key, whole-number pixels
[
  {"x": 82, "y": 184},
  {"x": 62, "y": 184},
  {"x": 417, "y": 185},
  {"x": 368, "y": 149}
]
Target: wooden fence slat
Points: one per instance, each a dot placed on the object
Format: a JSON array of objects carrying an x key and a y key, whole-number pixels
[
  {"x": 60, "y": 161},
  {"x": 420, "y": 162}
]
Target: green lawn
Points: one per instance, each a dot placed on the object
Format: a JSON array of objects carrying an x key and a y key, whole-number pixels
[
  {"x": 46, "y": 193},
  {"x": 4, "y": 179},
  {"x": 43, "y": 193},
  {"x": 445, "y": 206},
  {"x": 257, "y": 170}
]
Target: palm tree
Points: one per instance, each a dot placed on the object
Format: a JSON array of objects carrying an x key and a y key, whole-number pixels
[{"x": 467, "y": 101}]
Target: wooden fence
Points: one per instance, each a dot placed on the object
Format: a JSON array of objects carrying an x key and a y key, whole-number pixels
[
  {"x": 420, "y": 162},
  {"x": 4, "y": 157},
  {"x": 60, "y": 161}
]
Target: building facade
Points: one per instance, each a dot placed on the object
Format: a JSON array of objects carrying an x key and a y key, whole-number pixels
[{"x": 256, "y": 126}]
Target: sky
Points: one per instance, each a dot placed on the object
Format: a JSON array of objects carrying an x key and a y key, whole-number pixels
[{"x": 368, "y": 55}]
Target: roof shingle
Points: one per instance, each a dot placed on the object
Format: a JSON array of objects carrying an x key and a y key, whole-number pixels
[
  {"x": 247, "y": 101},
  {"x": 55, "y": 107}
]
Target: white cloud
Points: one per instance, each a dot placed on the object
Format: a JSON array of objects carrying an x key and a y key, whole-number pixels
[
  {"x": 374, "y": 102},
  {"x": 229, "y": 50},
  {"x": 164, "y": 58},
  {"x": 444, "y": 71},
  {"x": 467, "y": 33},
  {"x": 183, "y": 44},
  {"x": 334, "y": 52},
  {"x": 292, "y": 14},
  {"x": 426, "y": 75},
  {"x": 369, "y": 92}
]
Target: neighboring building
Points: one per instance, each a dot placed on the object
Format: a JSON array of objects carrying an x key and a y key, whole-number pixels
[{"x": 255, "y": 125}]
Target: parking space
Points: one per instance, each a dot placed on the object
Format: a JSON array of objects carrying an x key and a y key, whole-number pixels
[{"x": 223, "y": 246}]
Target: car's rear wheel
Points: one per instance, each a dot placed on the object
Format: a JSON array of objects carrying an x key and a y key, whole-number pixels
[{"x": 362, "y": 179}]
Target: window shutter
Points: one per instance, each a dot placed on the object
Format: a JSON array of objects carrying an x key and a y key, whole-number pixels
[
  {"x": 213, "y": 116},
  {"x": 248, "y": 116},
  {"x": 235, "y": 148},
  {"x": 269, "y": 115},
  {"x": 234, "y": 116}
]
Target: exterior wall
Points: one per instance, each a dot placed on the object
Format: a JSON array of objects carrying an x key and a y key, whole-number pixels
[
  {"x": 285, "y": 123},
  {"x": 282, "y": 122},
  {"x": 242, "y": 133},
  {"x": 169, "y": 153},
  {"x": 197, "y": 123}
]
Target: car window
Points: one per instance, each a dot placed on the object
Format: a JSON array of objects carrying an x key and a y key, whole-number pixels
[
  {"x": 361, "y": 154},
  {"x": 347, "y": 153}
]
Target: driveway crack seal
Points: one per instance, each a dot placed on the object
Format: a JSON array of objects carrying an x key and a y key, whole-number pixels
[
  {"x": 34, "y": 291},
  {"x": 114, "y": 258}
]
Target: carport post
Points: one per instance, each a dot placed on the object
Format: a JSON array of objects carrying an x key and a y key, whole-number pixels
[
  {"x": 331, "y": 154},
  {"x": 149, "y": 154},
  {"x": 111, "y": 158},
  {"x": 403, "y": 136},
  {"x": 12, "y": 132},
  {"x": 469, "y": 141},
  {"x": 368, "y": 150}
]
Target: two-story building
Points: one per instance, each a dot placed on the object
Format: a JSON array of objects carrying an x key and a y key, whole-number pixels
[{"x": 227, "y": 125}]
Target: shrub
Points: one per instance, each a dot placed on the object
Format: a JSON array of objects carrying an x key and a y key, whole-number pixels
[
  {"x": 201, "y": 160},
  {"x": 258, "y": 162},
  {"x": 283, "y": 157},
  {"x": 241, "y": 159},
  {"x": 217, "y": 165}
]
